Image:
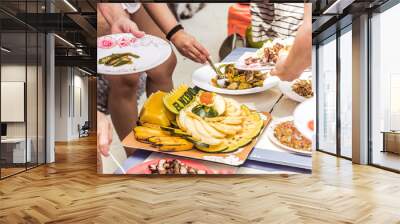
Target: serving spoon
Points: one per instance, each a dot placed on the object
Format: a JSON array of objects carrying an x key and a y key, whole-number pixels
[{"x": 217, "y": 71}]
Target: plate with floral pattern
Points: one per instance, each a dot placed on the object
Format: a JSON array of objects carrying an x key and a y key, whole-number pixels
[{"x": 123, "y": 53}]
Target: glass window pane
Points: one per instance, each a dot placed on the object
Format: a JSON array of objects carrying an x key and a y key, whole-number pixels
[
  {"x": 31, "y": 97},
  {"x": 41, "y": 98},
  {"x": 385, "y": 86},
  {"x": 13, "y": 86},
  {"x": 346, "y": 94},
  {"x": 327, "y": 96}
]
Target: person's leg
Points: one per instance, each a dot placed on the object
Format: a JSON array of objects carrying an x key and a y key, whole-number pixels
[
  {"x": 122, "y": 102},
  {"x": 159, "y": 78}
]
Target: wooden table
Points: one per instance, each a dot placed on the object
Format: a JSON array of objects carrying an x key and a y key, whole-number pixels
[{"x": 391, "y": 141}]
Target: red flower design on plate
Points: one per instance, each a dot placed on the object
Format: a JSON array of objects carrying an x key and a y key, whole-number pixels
[
  {"x": 125, "y": 41},
  {"x": 105, "y": 42}
]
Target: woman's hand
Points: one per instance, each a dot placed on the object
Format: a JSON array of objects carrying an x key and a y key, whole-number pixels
[
  {"x": 282, "y": 71},
  {"x": 125, "y": 25},
  {"x": 280, "y": 68},
  {"x": 189, "y": 47},
  {"x": 104, "y": 134}
]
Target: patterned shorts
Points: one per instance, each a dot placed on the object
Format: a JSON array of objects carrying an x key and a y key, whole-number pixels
[{"x": 103, "y": 87}]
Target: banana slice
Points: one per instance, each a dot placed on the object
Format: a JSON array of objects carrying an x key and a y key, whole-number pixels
[
  {"x": 219, "y": 104},
  {"x": 214, "y": 133},
  {"x": 181, "y": 120},
  {"x": 214, "y": 119},
  {"x": 226, "y": 129},
  {"x": 210, "y": 130},
  {"x": 190, "y": 129},
  {"x": 204, "y": 135},
  {"x": 233, "y": 120},
  {"x": 232, "y": 108}
]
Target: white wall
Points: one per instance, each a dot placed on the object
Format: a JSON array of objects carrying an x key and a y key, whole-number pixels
[
  {"x": 71, "y": 94},
  {"x": 15, "y": 73},
  {"x": 33, "y": 127}
]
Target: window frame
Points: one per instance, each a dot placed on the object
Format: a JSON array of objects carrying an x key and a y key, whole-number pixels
[
  {"x": 340, "y": 30},
  {"x": 378, "y": 10}
]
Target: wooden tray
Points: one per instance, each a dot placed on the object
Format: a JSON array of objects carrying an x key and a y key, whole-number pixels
[{"x": 236, "y": 158}]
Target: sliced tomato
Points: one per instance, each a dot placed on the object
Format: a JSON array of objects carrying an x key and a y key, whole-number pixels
[
  {"x": 206, "y": 98},
  {"x": 310, "y": 125}
]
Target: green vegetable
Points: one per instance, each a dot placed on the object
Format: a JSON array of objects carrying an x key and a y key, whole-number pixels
[
  {"x": 204, "y": 111},
  {"x": 118, "y": 59}
]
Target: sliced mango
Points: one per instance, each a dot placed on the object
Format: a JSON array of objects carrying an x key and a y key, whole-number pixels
[{"x": 154, "y": 111}]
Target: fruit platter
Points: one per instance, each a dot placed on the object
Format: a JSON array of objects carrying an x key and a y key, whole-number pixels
[{"x": 193, "y": 123}]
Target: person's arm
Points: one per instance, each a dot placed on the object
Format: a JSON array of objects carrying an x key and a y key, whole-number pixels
[
  {"x": 186, "y": 44},
  {"x": 104, "y": 128},
  {"x": 104, "y": 133},
  {"x": 162, "y": 15},
  {"x": 118, "y": 19},
  {"x": 299, "y": 57}
]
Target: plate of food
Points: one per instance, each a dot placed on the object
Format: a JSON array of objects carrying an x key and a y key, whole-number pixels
[
  {"x": 298, "y": 90},
  {"x": 122, "y": 54},
  {"x": 192, "y": 123},
  {"x": 233, "y": 81},
  {"x": 266, "y": 57},
  {"x": 283, "y": 133},
  {"x": 304, "y": 117}
]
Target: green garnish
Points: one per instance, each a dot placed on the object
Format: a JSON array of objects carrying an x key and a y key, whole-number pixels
[{"x": 204, "y": 111}]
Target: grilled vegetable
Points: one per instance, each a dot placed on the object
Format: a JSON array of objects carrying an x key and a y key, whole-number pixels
[
  {"x": 179, "y": 98},
  {"x": 144, "y": 133},
  {"x": 176, "y": 148},
  {"x": 168, "y": 140},
  {"x": 175, "y": 131},
  {"x": 118, "y": 59},
  {"x": 171, "y": 143},
  {"x": 204, "y": 111},
  {"x": 212, "y": 149}
]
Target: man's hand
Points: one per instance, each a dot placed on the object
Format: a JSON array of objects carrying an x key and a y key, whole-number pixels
[
  {"x": 104, "y": 134},
  {"x": 125, "y": 25},
  {"x": 189, "y": 47}
]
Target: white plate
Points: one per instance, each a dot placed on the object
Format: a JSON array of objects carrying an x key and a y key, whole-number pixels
[
  {"x": 240, "y": 64},
  {"x": 202, "y": 78},
  {"x": 304, "y": 113},
  {"x": 271, "y": 136},
  {"x": 152, "y": 51},
  {"x": 286, "y": 88}
]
